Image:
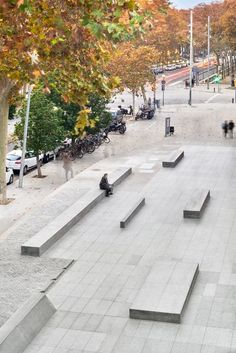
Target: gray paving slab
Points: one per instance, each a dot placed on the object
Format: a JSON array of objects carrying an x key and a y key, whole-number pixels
[{"x": 165, "y": 292}]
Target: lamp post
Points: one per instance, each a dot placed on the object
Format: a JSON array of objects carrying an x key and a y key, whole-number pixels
[
  {"x": 208, "y": 49},
  {"x": 25, "y": 139},
  {"x": 163, "y": 87},
  {"x": 191, "y": 58}
]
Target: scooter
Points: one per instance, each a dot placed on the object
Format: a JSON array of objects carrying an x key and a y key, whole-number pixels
[
  {"x": 145, "y": 112},
  {"x": 117, "y": 126}
]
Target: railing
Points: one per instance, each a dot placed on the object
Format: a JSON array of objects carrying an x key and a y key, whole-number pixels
[{"x": 223, "y": 71}]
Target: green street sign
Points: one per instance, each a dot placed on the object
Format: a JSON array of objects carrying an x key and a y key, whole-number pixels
[{"x": 217, "y": 79}]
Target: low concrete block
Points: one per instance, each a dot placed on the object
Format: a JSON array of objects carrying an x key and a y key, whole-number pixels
[
  {"x": 174, "y": 160},
  {"x": 55, "y": 230},
  {"x": 18, "y": 332},
  {"x": 197, "y": 204},
  {"x": 134, "y": 210},
  {"x": 165, "y": 292}
]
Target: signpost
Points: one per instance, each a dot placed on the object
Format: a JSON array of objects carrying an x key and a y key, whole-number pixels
[
  {"x": 217, "y": 80},
  {"x": 167, "y": 126},
  {"x": 163, "y": 87}
]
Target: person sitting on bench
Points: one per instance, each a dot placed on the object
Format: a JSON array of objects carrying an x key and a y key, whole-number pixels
[{"x": 104, "y": 185}]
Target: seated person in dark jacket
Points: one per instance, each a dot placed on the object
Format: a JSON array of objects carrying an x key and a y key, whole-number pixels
[{"x": 104, "y": 185}]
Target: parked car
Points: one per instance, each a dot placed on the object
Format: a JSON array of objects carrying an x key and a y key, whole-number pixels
[
  {"x": 9, "y": 175},
  {"x": 170, "y": 67},
  {"x": 50, "y": 154},
  {"x": 116, "y": 114},
  {"x": 184, "y": 64},
  {"x": 157, "y": 70},
  {"x": 13, "y": 160},
  {"x": 178, "y": 66}
]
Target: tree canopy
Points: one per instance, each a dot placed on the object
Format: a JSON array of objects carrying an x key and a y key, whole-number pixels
[{"x": 66, "y": 38}]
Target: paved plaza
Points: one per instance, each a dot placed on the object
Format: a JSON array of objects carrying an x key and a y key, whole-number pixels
[{"x": 111, "y": 264}]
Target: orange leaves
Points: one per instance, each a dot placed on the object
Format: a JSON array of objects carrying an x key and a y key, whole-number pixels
[
  {"x": 36, "y": 73},
  {"x": 132, "y": 64}
]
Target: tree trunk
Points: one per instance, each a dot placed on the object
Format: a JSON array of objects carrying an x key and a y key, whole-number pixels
[
  {"x": 144, "y": 95},
  {"x": 133, "y": 103},
  {"x": 5, "y": 87},
  {"x": 39, "y": 167}
]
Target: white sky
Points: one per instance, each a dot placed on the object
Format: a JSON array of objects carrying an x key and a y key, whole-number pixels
[{"x": 185, "y": 4}]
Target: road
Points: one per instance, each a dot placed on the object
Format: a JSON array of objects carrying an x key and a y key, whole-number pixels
[{"x": 176, "y": 93}]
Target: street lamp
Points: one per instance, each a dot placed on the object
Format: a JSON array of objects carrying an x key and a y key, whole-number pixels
[
  {"x": 25, "y": 138},
  {"x": 208, "y": 50},
  {"x": 191, "y": 58},
  {"x": 34, "y": 57}
]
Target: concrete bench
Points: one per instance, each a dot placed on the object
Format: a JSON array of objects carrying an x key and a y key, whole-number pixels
[
  {"x": 165, "y": 292},
  {"x": 23, "y": 326},
  {"x": 55, "y": 230},
  {"x": 197, "y": 204},
  {"x": 174, "y": 160},
  {"x": 132, "y": 212}
]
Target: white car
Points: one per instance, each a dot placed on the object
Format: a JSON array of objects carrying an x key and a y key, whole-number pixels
[
  {"x": 13, "y": 160},
  {"x": 9, "y": 175}
]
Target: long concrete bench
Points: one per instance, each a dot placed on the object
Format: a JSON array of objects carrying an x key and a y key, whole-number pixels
[
  {"x": 18, "y": 332},
  {"x": 174, "y": 160},
  {"x": 197, "y": 204},
  {"x": 132, "y": 212},
  {"x": 165, "y": 292},
  {"x": 55, "y": 230}
]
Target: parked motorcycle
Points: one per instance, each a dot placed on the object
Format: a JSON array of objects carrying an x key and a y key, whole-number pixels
[
  {"x": 116, "y": 126},
  {"x": 145, "y": 112}
]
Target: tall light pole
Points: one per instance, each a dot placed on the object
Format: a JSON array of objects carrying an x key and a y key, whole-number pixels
[
  {"x": 191, "y": 58},
  {"x": 208, "y": 49},
  {"x": 25, "y": 139}
]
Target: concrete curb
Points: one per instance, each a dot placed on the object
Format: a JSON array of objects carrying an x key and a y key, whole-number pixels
[{"x": 17, "y": 333}]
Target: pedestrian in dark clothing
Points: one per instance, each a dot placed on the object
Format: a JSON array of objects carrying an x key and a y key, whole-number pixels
[
  {"x": 104, "y": 185},
  {"x": 225, "y": 127},
  {"x": 231, "y": 128},
  {"x": 131, "y": 111}
]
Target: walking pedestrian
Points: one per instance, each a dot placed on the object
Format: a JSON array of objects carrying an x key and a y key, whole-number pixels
[
  {"x": 231, "y": 128},
  {"x": 149, "y": 102},
  {"x": 67, "y": 165},
  {"x": 104, "y": 185},
  {"x": 225, "y": 128},
  {"x": 131, "y": 111}
]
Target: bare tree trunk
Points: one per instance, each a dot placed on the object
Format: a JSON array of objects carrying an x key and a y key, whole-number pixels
[
  {"x": 39, "y": 167},
  {"x": 133, "y": 103},
  {"x": 5, "y": 87},
  {"x": 144, "y": 95}
]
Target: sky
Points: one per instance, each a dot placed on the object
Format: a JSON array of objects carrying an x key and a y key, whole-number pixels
[{"x": 185, "y": 4}]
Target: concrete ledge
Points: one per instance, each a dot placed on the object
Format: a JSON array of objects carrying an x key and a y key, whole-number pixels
[
  {"x": 174, "y": 160},
  {"x": 165, "y": 292},
  {"x": 132, "y": 213},
  {"x": 197, "y": 204},
  {"x": 55, "y": 230},
  {"x": 18, "y": 332}
]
